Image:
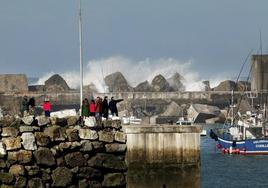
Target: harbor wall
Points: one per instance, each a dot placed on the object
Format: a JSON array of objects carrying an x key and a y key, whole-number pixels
[{"x": 60, "y": 153}]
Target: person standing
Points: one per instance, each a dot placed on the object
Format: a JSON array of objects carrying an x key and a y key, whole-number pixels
[
  {"x": 113, "y": 107},
  {"x": 47, "y": 107},
  {"x": 31, "y": 104},
  {"x": 85, "y": 108},
  {"x": 105, "y": 107},
  {"x": 92, "y": 108},
  {"x": 24, "y": 106},
  {"x": 98, "y": 110}
]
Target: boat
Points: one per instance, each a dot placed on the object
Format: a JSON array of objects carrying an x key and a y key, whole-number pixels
[
  {"x": 248, "y": 135},
  {"x": 189, "y": 122}
]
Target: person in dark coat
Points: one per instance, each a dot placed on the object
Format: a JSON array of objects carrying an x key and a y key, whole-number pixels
[
  {"x": 105, "y": 107},
  {"x": 113, "y": 107},
  {"x": 24, "y": 106},
  {"x": 31, "y": 104},
  {"x": 85, "y": 108}
]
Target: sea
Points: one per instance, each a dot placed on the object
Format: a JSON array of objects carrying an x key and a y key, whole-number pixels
[{"x": 215, "y": 170}]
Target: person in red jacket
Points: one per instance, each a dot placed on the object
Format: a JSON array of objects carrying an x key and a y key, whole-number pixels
[
  {"x": 47, "y": 107},
  {"x": 92, "y": 108}
]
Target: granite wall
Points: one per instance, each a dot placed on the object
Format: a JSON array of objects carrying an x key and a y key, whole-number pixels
[{"x": 56, "y": 152}]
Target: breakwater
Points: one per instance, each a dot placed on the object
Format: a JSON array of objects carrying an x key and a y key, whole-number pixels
[{"x": 59, "y": 153}]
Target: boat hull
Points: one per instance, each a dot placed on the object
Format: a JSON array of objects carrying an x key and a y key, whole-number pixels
[{"x": 246, "y": 147}]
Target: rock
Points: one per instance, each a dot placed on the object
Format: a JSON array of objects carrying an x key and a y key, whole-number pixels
[
  {"x": 243, "y": 86},
  {"x": 97, "y": 146},
  {"x": 32, "y": 170},
  {"x": 72, "y": 120},
  {"x": 17, "y": 170},
  {"x": 64, "y": 146},
  {"x": 143, "y": 87},
  {"x": 61, "y": 122},
  {"x": 120, "y": 137},
  {"x": 173, "y": 109},
  {"x": 72, "y": 135},
  {"x": 44, "y": 156},
  {"x": 56, "y": 133},
  {"x": 200, "y": 112},
  {"x": 89, "y": 173},
  {"x": 12, "y": 143},
  {"x": 46, "y": 175},
  {"x": 116, "y": 124},
  {"x": 62, "y": 114},
  {"x": 86, "y": 146},
  {"x": 115, "y": 148},
  {"x": 227, "y": 85},
  {"x": 6, "y": 178},
  {"x": 106, "y": 136},
  {"x": 114, "y": 180},
  {"x": 35, "y": 182},
  {"x": 2, "y": 150},
  {"x": 176, "y": 82},
  {"x": 28, "y": 141},
  {"x": 206, "y": 84},
  {"x": 2, "y": 163},
  {"x": 160, "y": 84},
  {"x": 9, "y": 132},
  {"x": 42, "y": 139},
  {"x": 56, "y": 84},
  {"x": 28, "y": 120},
  {"x": 94, "y": 184},
  {"x": 20, "y": 182},
  {"x": 42, "y": 120},
  {"x": 75, "y": 159},
  {"x": 107, "y": 161},
  {"x": 88, "y": 134},
  {"x": 24, "y": 129},
  {"x": 62, "y": 177},
  {"x": 116, "y": 82},
  {"x": 60, "y": 161},
  {"x": 83, "y": 184},
  {"x": 21, "y": 156}
]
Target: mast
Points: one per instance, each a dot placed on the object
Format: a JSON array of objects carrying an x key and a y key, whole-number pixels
[
  {"x": 81, "y": 55},
  {"x": 232, "y": 106}
]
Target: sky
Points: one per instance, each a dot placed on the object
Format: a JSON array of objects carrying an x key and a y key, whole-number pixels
[{"x": 39, "y": 37}]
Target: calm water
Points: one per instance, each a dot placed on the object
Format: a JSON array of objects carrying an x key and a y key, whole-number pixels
[{"x": 219, "y": 170}]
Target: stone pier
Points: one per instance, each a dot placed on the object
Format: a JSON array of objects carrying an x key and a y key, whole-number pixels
[{"x": 165, "y": 144}]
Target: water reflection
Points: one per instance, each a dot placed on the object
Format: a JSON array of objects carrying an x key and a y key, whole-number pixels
[{"x": 165, "y": 176}]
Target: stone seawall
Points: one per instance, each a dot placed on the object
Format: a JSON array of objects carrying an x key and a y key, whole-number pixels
[{"x": 59, "y": 153}]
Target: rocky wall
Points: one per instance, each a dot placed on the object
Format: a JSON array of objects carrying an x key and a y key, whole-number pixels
[{"x": 60, "y": 153}]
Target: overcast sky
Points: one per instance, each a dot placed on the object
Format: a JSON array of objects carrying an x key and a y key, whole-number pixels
[{"x": 39, "y": 36}]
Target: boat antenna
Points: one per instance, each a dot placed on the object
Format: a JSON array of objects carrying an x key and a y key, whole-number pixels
[{"x": 81, "y": 55}]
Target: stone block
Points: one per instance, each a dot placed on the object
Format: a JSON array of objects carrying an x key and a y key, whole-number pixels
[
  {"x": 55, "y": 133},
  {"x": 21, "y": 156},
  {"x": 6, "y": 178},
  {"x": 28, "y": 141},
  {"x": 42, "y": 139},
  {"x": 24, "y": 129},
  {"x": 107, "y": 161},
  {"x": 75, "y": 159},
  {"x": 17, "y": 170},
  {"x": 88, "y": 134},
  {"x": 89, "y": 173},
  {"x": 42, "y": 120},
  {"x": 72, "y": 120},
  {"x": 120, "y": 137},
  {"x": 98, "y": 146},
  {"x": 73, "y": 135},
  {"x": 9, "y": 132},
  {"x": 28, "y": 120},
  {"x": 35, "y": 182},
  {"x": 114, "y": 180},
  {"x": 12, "y": 143},
  {"x": 2, "y": 164},
  {"x": 44, "y": 156},
  {"x": 62, "y": 177},
  {"x": 106, "y": 136},
  {"x": 86, "y": 146},
  {"x": 2, "y": 150},
  {"x": 115, "y": 148},
  {"x": 20, "y": 182},
  {"x": 32, "y": 170}
]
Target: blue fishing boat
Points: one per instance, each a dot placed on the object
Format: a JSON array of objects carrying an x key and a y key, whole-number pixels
[{"x": 247, "y": 135}]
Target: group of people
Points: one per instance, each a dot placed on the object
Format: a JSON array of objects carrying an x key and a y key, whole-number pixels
[
  {"x": 28, "y": 106},
  {"x": 100, "y": 107}
]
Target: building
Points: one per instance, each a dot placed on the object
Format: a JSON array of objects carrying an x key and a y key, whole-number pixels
[{"x": 259, "y": 73}]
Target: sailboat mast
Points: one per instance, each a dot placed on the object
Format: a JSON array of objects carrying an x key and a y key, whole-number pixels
[
  {"x": 81, "y": 55},
  {"x": 232, "y": 106}
]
